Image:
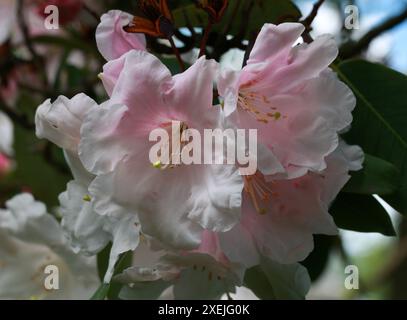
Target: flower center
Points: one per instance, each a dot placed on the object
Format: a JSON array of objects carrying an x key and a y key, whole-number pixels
[
  {"x": 259, "y": 191},
  {"x": 258, "y": 106},
  {"x": 171, "y": 150}
]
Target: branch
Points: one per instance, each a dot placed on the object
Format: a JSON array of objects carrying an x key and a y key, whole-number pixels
[
  {"x": 351, "y": 49},
  {"x": 307, "y": 22}
]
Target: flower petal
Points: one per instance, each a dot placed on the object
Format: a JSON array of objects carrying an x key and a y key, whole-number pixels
[
  {"x": 60, "y": 122},
  {"x": 112, "y": 41}
]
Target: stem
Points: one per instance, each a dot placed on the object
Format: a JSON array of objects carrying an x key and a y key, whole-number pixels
[
  {"x": 91, "y": 12},
  {"x": 177, "y": 54},
  {"x": 205, "y": 38}
]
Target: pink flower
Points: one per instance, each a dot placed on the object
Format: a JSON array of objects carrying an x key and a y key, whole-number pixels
[
  {"x": 288, "y": 93},
  {"x": 204, "y": 273},
  {"x": 174, "y": 203},
  {"x": 5, "y": 165},
  {"x": 112, "y": 40},
  {"x": 279, "y": 217}
]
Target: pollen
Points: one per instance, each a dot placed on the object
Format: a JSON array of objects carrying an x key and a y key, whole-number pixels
[
  {"x": 87, "y": 198},
  {"x": 257, "y": 105}
]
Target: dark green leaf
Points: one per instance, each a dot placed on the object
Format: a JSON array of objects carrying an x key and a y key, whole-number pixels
[
  {"x": 101, "y": 292},
  {"x": 377, "y": 177},
  {"x": 271, "y": 280},
  {"x": 362, "y": 213},
  {"x": 241, "y": 16},
  {"x": 380, "y": 117},
  {"x": 111, "y": 290},
  {"x": 318, "y": 258}
]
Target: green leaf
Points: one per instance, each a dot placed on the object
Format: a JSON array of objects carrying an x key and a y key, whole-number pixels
[
  {"x": 103, "y": 261},
  {"x": 111, "y": 290},
  {"x": 362, "y": 213},
  {"x": 377, "y": 177},
  {"x": 318, "y": 259},
  {"x": 101, "y": 292},
  {"x": 33, "y": 172},
  {"x": 271, "y": 280},
  {"x": 380, "y": 118}
]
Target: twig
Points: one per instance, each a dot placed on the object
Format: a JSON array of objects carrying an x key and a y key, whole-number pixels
[
  {"x": 91, "y": 12},
  {"x": 205, "y": 38},
  {"x": 177, "y": 54},
  {"x": 351, "y": 49},
  {"x": 249, "y": 48},
  {"x": 307, "y": 22}
]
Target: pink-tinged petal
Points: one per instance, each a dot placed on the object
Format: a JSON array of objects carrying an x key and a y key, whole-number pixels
[
  {"x": 216, "y": 196},
  {"x": 111, "y": 72},
  {"x": 331, "y": 98},
  {"x": 305, "y": 61},
  {"x": 142, "y": 82},
  {"x": 345, "y": 158},
  {"x": 160, "y": 198},
  {"x": 60, "y": 121},
  {"x": 239, "y": 247},
  {"x": 5, "y": 165},
  {"x": 274, "y": 40},
  {"x": 192, "y": 91},
  {"x": 228, "y": 88},
  {"x": 267, "y": 162},
  {"x": 103, "y": 144},
  {"x": 297, "y": 209},
  {"x": 112, "y": 41}
]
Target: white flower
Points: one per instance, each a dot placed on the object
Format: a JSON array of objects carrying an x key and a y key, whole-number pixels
[
  {"x": 30, "y": 240},
  {"x": 91, "y": 222},
  {"x": 6, "y": 134}
]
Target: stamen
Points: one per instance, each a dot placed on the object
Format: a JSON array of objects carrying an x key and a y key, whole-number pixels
[
  {"x": 254, "y": 103},
  {"x": 259, "y": 191}
]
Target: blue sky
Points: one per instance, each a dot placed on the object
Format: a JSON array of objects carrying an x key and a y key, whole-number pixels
[{"x": 372, "y": 12}]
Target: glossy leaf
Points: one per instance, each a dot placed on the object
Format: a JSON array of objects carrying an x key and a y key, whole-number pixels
[
  {"x": 380, "y": 118},
  {"x": 362, "y": 213},
  {"x": 377, "y": 177}
]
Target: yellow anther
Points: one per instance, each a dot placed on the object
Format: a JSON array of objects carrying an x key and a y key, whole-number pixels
[
  {"x": 87, "y": 198},
  {"x": 157, "y": 164}
]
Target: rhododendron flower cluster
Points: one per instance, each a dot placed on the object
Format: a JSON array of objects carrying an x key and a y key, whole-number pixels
[{"x": 204, "y": 225}]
